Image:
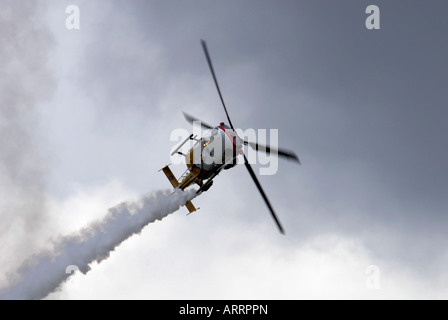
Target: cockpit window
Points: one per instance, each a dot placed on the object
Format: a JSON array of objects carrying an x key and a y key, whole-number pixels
[{"x": 207, "y": 140}]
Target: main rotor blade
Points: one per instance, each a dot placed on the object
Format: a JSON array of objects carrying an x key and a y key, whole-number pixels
[
  {"x": 204, "y": 46},
  {"x": 254, "y": 177},
  {"x": 192, "y": 119},
  {"x": 267, "y": 149}
]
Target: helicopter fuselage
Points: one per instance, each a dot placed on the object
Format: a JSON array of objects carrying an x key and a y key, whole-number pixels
[{"x": 216, "y": 150}]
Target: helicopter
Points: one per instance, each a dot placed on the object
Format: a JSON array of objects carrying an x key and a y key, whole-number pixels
[{"x": 217, "y": 149}]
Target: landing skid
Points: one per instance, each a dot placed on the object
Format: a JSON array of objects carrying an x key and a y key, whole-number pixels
[{"x": 175, "y": 183}]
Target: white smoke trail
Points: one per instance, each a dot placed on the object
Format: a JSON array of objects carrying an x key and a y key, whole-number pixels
[{"x": 45, "y": 272}]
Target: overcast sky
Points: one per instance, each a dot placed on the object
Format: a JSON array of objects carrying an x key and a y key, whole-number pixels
[{"x": 86, "y": 117}]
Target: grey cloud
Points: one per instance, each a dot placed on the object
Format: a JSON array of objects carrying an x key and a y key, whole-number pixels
[
  {"x": 24, "y": 82},
  {"x": 365, "y": 110},
  {"x": 339, "y": 93}
]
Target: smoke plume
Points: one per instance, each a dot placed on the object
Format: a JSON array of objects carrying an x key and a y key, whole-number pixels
[{"x": 46, "y": 272}]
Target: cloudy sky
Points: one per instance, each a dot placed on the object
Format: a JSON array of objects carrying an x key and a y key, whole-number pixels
[{"x": 86, "y": 117}]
